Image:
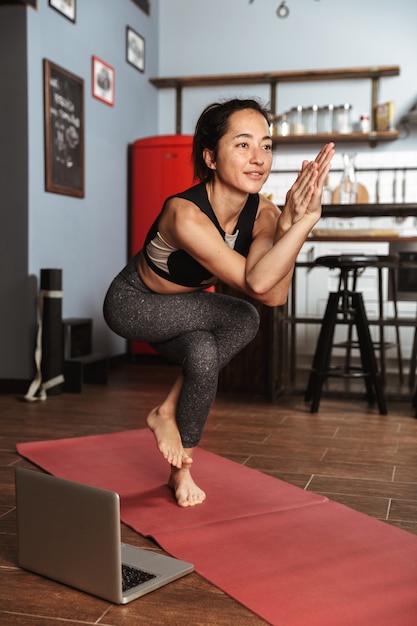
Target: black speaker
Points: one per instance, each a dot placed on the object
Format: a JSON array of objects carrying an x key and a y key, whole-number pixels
[{"x": 77, "y": 337}]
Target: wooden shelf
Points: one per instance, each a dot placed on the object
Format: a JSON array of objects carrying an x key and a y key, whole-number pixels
[
  {"x": 259, "y": 78},
  {"x": 273, "y": 79},
  {"x": 371, "y": 138}
]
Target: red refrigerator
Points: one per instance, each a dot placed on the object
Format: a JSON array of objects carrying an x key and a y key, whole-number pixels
[{"x": 161, "y": 167}]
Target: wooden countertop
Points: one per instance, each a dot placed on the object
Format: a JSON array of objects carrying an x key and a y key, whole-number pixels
[
  {"x": 370, "y": 210},
  {"x": 359, "y": 234},
  {"x": 373, "y": 238},
  {"x": 349, "y": 211}
]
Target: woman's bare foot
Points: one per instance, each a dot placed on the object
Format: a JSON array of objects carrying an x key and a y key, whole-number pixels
[
  {"x": 168, "y": 439},
  {"x": 186, "y": 491}
]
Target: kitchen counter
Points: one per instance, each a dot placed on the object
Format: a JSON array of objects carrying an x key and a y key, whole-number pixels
[
  {"x": 350, "y": 235},
  {"x": 267, "y": 365},
  {"x": 369, "y": 234},
  {"x": 369, "y": 210}
]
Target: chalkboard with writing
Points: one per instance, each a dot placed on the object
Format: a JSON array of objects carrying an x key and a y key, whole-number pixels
[{"x": 64, "y": 131}]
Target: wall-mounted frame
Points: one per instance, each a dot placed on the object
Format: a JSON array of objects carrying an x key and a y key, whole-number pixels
[
  {"x": 67, "y": 8},
  {"x": 145, "y": 5},
  {"x": 64, "y": 131},
  {"x": 103, "y": 81},
  {"x": 135, "y": 49}
]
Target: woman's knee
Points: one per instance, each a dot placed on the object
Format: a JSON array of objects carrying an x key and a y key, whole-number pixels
[
  {"x": 112, "y": 309},
  {"x": 248, "y": 319},
  {"x": 254, "y": 316},
  {"x": 201, "y": 356}
]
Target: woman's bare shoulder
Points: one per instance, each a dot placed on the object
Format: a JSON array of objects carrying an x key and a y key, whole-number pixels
[
  {"x": 181, "y": 220},
  {"x": 268, "y": 212},
  {"x": 177, "y": 206}
]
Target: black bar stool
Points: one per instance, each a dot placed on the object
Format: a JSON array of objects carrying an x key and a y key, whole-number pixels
[
  {"x": 346, "y": 307},
  {"x": 391, "y": 263}
]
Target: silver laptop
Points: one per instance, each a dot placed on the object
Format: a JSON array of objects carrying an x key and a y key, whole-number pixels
[{"x": 70, "y": 533}]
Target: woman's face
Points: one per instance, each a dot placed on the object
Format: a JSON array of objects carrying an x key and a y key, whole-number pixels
[{"x": 244, "y": 155}]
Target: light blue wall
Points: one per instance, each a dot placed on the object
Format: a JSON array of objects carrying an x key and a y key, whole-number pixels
[
  {"x": 87, "y": 237},
  {"x": 234, "y": 36}
]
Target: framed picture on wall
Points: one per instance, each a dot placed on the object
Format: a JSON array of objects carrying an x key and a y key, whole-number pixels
[
  {"x": 145, "y": 5},
  {"x": 65, "y": 7},
  {"x": 64, "y": 131},
  {"x": 135, "y": 49},
  {"x": 103, "y": 81}
]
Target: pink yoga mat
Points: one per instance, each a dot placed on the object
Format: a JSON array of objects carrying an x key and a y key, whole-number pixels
[
  {"x": 290, "y": 556},
  {"x": 130, "y": 464}
]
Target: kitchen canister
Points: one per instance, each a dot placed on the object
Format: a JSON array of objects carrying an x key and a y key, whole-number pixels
[
  {"x": 325, "y": 119},
  {"x": 297, "y": 121},
  {"x": 310, "y": 119},
  {"x": 342, "y": 119},
  {"x": 281, "y": 125}
]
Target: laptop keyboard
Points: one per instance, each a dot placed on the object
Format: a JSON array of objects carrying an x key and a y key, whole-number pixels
[{"x": 132, "y": 577}]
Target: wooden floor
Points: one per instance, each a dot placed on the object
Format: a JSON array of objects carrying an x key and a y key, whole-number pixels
[{"x": 347, "y": 452}]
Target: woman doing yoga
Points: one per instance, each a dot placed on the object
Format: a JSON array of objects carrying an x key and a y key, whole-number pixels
[{"x": 219, "y": 229}]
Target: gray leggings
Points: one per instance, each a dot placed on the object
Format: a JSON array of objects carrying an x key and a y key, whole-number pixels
[{"x": 201, "y": 331}]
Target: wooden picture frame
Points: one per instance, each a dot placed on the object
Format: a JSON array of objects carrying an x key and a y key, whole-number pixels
[
  {"x": 135, "y": 49},
  {"x": 67, "y": 8},
  {"x": 64, "y": 131},
  {"x": 103, "y": 78}
]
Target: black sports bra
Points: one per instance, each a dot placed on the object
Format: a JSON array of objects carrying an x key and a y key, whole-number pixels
[{"x": 178, "y": 266}]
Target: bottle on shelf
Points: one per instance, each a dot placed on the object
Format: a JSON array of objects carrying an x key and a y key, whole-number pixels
[
  {"x": 326, "y": 197},
  {"x": 364, "y": 124},
  {"x": 348, "y": 184}
]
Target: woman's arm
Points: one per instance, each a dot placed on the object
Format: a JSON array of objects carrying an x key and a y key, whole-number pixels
[
  {"x": 270, "y": 263},
  {"x": 267, "y": 271}
]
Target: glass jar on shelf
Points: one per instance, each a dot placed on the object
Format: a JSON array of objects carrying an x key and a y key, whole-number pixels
[
  {"x": 342, "y": 119},
  {"x": 325, "y": 119},
  {"x": 281, "y": 125},
  {"x": 310, "y": 119},
  {"x": 296, "y": 121}
]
